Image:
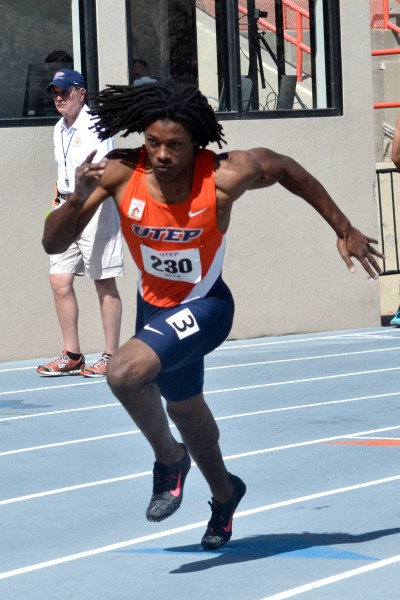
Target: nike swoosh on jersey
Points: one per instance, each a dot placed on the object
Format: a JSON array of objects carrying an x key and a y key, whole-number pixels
[{"x": 197, "y": 212}]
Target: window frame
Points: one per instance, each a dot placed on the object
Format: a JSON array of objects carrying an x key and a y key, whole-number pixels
[
  {"x": 89, "y": 64},
  {"x": 333, "y": 66},
  {"x": 228, "y": 61}
]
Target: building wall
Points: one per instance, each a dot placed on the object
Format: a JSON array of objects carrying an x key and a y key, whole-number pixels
[{"x": 281, "y": 263}]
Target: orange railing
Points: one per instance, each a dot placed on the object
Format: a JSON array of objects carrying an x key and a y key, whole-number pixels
[
  {"x": 380, "y": 15},
  {"x": 300, "y": 14},
  {"x": 298, "y": 17},
  {"x": 380, "y": 19}
]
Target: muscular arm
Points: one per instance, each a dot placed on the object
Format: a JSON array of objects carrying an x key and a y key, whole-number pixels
[
  {"x": 277, "y": 168},
  {"x": 260, "y": 168}
]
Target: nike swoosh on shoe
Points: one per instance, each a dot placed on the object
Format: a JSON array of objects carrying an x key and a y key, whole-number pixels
[
  {"x": 176, "y": 492},
  {"x": 228, "y": 528}
]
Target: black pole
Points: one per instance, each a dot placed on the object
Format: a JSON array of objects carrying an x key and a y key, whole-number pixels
[
  {"x": 280, "y": 41},
  {"x": 313, "y": 46},
  {"x": 254, "y": 53},
  {"x": 88, "y": 40}
]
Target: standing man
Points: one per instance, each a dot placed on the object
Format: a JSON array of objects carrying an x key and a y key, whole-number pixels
[
  {"x": 175, "y": 200},
  {"x": 98, "y": 250}
]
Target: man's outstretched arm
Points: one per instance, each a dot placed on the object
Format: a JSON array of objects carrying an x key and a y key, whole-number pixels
[{"x": 277, "y": 168}]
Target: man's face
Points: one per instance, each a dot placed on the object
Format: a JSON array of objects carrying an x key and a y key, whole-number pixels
[
  {"x": 69, "y": 101},
  {"x": 138, "y": 70},
  {"x": 170, "y": 149}
]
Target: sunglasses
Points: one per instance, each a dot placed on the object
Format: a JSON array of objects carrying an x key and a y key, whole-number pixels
[{"x": 63, "y": 93}]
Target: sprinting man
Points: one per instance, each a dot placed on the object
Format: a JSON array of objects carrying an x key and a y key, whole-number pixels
[{"x": 175, "y": 199}]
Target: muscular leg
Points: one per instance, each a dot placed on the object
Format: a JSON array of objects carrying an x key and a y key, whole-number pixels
[
  {"x": 200, "y": 433},
  {"x": 67, "y": 309},
  {"x": 130, "y": 374},
  {"x": 111, "y": 312}
]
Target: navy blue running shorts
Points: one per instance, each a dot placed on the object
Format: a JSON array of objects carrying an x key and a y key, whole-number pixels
[{"x": 182, "y": 335}]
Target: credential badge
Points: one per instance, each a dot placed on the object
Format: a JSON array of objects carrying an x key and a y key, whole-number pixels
[{"x": 136, "y": 209}]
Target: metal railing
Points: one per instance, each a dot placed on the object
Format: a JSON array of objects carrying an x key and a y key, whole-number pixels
[
  {"x": 387, "y": 189},
  {"x": 300, "y": 14},
  {"x": 380, "y": 19}
]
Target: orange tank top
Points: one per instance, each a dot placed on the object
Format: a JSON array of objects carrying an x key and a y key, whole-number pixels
[{"x": 177, "y": 248}]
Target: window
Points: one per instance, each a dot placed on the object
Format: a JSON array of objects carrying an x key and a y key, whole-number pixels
[
  {"x": 163, "y": 37},
  {"x": 36, "y": 40},
  {"x": 251, "y": 58}
]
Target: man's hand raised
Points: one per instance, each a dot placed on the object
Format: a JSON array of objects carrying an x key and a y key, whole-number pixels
[{"x": 87, "y": 177}]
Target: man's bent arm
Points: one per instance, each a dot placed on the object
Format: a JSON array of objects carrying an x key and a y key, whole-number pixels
[
  {"x": 63, "y": 226},
  {"x": 278, "y": 168},
  {"x": 291, "y": 175}
]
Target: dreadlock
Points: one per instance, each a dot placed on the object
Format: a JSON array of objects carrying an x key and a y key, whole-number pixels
[{"x": 132, "y": 109}]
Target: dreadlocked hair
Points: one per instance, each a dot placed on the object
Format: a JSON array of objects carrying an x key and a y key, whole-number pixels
[{"x": 131, "y": 109}]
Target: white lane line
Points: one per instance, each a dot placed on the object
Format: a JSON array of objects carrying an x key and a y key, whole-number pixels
[
  {"x": 308, "y": 443},
  {"x": 271, "y": 410},
  {"x": 60, "y": 412},
  {"x": 301, "y": 358},
  {"x": 232, "y": 346},
  {"x": 266, "y": 362},
  {"x": 226, "y": 458},
  {"x": 306, "y": 380},
  {"x": 304, "y": 406},
  {"x": 248, "y": 387},
  {"x": 308, "y": 497},
  {"x": 169, "y": 532},
  {"x": 51, "y": 387},
  {"x": 109, "y": 548},
  {"x": 230, "y": 366},
  {"x": 72, "y": 488},
  {"x": 32, "y": 367},
  {"x": 224, "y": 418},
  {"x": 12, "y": 369},
  {"x": 377, "y": 437},
  {"x": 313, "y": 585},
  {"x": 311, "y": 339},
  {"x": 69, "y": 442}
]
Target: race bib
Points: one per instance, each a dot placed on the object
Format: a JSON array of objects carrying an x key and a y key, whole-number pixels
[{"x": 179, "y": 265}]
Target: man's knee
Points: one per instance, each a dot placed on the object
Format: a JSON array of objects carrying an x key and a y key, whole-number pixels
[
  {"x": 106, "y": 287},
  {"x": 193, "y": 417},
  {"x": 191, "y": 409},
  {"x": 61, "y": 284},
  {"x": 133, "y": 367}
]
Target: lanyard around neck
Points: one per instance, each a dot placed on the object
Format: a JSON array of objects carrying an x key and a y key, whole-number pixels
[{"x": 65, "y": 153}]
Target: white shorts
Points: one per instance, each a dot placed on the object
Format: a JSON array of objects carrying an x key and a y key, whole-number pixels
[
  {"x": 96, "y": 258},
  {"x": 98, "y": 251}
]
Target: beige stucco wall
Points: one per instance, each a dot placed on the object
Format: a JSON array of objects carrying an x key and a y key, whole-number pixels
[{"x": 281, "y": 261}]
